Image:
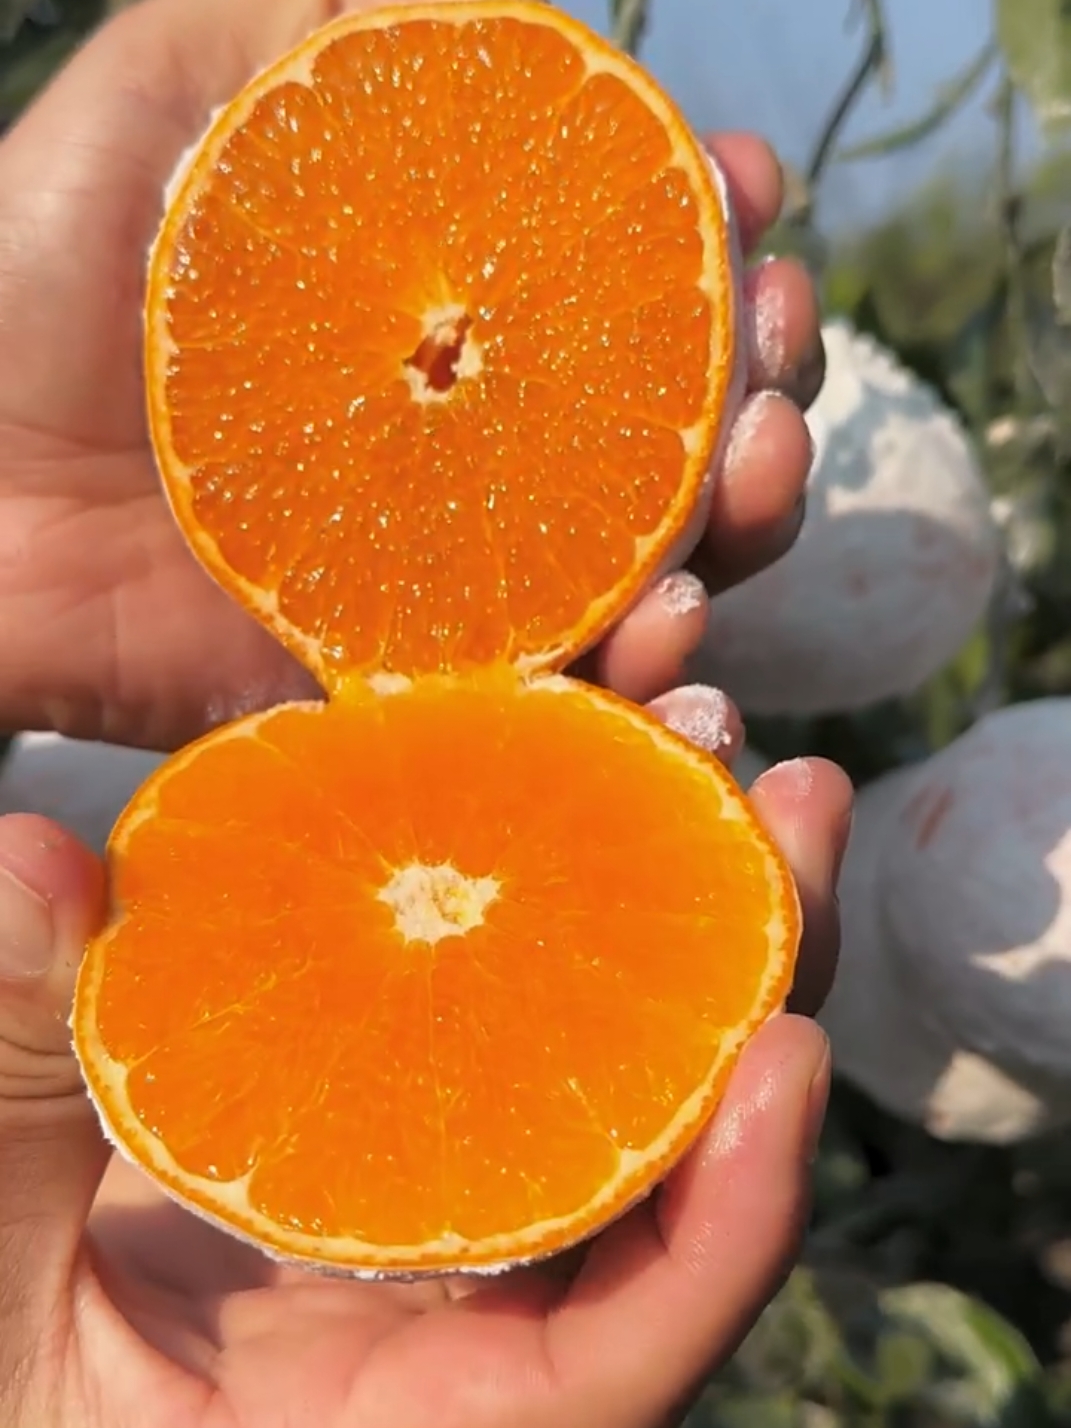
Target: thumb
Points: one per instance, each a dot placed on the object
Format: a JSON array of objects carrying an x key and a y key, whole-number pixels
[{"x": 52, "y": 1154}]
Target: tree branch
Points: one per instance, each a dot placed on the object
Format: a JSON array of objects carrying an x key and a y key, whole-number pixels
[
  {"x": 949, "y": 98},
  {"x": 872, "y": 62},
  {"x": 629, "y": 23}
]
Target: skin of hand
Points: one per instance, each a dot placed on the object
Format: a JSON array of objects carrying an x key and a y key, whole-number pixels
[{"x": 116, "y": 1307}]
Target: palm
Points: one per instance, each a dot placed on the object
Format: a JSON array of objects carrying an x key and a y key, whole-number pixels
[
  {"x": 168, "y": 1322},
  {"x": 222, "y": 1336}
]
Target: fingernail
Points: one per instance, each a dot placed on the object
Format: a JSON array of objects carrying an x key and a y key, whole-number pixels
[
  {"x": 796, "y": 777},
  {"x": 681, "y": 592},
  {"x": 817, "y": 1102},
  {"x": 26, "y": 932},
  {"x": 704, "y": 716}
]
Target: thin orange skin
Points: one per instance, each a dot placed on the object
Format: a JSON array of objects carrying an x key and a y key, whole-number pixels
[
  {"x": 682, "y": 526},
  {"x": 585, "y": 1224}
]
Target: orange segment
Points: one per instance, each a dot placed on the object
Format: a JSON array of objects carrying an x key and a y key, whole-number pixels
[
  {"x": 415, "y": 1016},
  {"x": 460, "y": 279}
]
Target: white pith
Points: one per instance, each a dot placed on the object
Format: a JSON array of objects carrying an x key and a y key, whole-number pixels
[{"x": 430, "y": 903}]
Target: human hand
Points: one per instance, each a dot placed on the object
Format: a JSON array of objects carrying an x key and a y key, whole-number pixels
[
  {"x": 118, "y": 1309},
  {"x": 108, "y": 626},
  {"x": 115, "y": 1305}
]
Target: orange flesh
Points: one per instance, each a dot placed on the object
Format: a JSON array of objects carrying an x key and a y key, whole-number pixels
[
  {"x": 554, "y": 224},
  {"x": 398, "y": 1092},
  {"x": 440, "y": 338}
]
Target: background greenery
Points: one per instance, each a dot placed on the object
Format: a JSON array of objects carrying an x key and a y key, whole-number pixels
[{"x": 935, "y": 1290}]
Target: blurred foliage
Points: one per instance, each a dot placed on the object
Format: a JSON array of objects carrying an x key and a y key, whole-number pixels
[
  {"x": 935, "y": 1289},
  {"x": 1035, "y": 36},
  {"x": 39, "y": 36},
  {"x": 833, "y": 1349}
]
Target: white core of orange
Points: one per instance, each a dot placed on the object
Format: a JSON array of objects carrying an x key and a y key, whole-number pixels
[{"x": 430, "y": 903}]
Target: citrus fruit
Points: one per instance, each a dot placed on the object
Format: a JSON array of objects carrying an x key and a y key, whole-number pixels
[{"x": 444, "y": 972}]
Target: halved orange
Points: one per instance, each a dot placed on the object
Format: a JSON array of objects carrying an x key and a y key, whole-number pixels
[{"x": 446, "y": 972}]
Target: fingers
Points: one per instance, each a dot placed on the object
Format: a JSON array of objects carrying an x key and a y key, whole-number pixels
[
  {"x": 668, "y": 1293},
  {"x": 644, "y": 655},
  {"x": 705, "y": 717},
  {"x": 784, "y": 345},
  {"x": 806, "y": 805},
  {"x": 754, "y": 179},
  {"x": 759, "y": 503},
  {"x": 51, "y": 1152},
  {"x": 781, "y": 307}
]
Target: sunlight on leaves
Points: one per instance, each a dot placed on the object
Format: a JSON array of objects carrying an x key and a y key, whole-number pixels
[{"x": 989, "y": 1372}]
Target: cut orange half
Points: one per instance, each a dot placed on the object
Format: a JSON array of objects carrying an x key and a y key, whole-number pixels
[{"x": 446, "y": 972}]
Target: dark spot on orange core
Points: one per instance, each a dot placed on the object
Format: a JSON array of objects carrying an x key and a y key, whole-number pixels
[{"x": 440, "y": 352}]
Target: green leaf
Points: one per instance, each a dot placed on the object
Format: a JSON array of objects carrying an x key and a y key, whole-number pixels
[
  {"x": 1048, "y": 353},
  {"x": 947, "y": 102},
  {"x": 903, "y": 1363},
  {"x": 750, "y": 1410},
  {"x": 1036, "y": 38},
  {"x": 990, "y": 1375}
]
